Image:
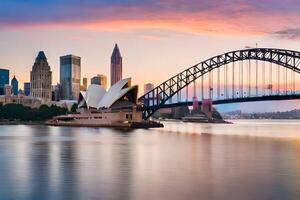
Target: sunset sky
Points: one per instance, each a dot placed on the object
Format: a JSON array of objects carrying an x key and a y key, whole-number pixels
[{"x": 157, "y": 39}]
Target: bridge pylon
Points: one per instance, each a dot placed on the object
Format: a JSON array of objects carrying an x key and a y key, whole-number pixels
[{"x": 207, "y": 107}]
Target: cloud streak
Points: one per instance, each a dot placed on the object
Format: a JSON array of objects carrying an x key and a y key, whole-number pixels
[
  {"x": 195, "y": 16},
  {"x": 290, "y": 33}
]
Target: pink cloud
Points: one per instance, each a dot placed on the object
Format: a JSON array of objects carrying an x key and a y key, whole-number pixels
[{"x": 214, "y": 17}]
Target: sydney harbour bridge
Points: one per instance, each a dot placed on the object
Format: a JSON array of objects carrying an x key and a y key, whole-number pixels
[{"x": 254, "y": 74}]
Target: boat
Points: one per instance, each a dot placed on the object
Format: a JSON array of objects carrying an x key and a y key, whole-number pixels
[{"x": 199, "y": 118}]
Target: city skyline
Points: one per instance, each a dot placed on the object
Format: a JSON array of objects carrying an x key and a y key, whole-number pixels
[
  {"x": 150, "y": 99},
  {"x": 93, "y": 37},
  {"x": 153, "y": 37}
]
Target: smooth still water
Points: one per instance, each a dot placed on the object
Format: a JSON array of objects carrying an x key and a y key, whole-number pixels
[{"x": 245, "y": 160}]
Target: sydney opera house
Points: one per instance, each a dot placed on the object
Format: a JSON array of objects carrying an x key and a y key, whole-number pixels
[{"x": 116, "y": 107}]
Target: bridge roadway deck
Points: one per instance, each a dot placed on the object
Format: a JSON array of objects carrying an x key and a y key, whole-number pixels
[{"x": 236, "y": 100}]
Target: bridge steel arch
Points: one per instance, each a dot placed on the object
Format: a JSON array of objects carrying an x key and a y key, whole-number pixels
[{"x": 156, "y": 98}]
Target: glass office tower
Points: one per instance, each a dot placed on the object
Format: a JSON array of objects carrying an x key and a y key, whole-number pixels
[
  {"x": 4, "y": 79},
  {"x": 27, "y": 88},
  {"x": 15, "y": 85},
  {"x": 70, "y": 76}
]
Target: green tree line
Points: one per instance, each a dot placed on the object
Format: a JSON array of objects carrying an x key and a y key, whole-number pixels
[{"x": 22, "y": 113}]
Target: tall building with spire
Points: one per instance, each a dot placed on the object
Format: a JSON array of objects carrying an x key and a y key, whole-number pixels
[
  {"x": 41, "y": 78},
  {"x": 115, "y": 66}
]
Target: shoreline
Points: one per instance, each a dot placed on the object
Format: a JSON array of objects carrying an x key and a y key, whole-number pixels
[
  {"x": 8, "y": 122},
  {"x": 144, "y": 125},
  {"x": 22, "y": 123},
  {"x": 208, "y": 122}
]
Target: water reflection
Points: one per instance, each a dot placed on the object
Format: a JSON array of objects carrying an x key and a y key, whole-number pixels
[{"x": 246, "y": 160}]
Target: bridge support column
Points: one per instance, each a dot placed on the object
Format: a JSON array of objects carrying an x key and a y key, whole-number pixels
[
  {"x": 206, "y": 108},
  {"x": 195, "y": 103}
]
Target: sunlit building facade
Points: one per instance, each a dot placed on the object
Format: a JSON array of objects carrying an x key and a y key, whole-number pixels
[
  {"x": 100, "y": 79},
  {"x": 83, "y": 87},
  {"x": 41, "y": 78},
  {"x": 7, "y": 90}
]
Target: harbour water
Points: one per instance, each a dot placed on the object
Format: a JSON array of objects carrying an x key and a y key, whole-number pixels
[{"x": 250, "y": 159}]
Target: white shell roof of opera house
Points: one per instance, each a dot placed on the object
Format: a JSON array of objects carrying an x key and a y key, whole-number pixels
[{"x": 97, "y": 97}]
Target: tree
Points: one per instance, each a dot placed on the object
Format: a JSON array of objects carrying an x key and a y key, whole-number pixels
[
  {"x": 74, "y": 107},
  {"x": 20, "y": 112}
]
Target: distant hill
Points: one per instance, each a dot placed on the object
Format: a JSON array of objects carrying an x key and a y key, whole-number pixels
[{"x": 292, "y": 114}]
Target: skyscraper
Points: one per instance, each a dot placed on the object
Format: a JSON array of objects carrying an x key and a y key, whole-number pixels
[
  {"x": 115, "y": 66},
  {"x": 4, "y": 79},
  {"x": 70, "y": 76},
  {"x": 7, "y": 90},
  {"x": 100, "y": 79},
  {"x": 41, "y": 78},
  {"x": 15, "y": 86},
  {"x": 84, "y": 84},
  {"x": 56, "y": 92},
  {"x": 27, "y": 88},
  {"x": 148, "y": 87}
]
